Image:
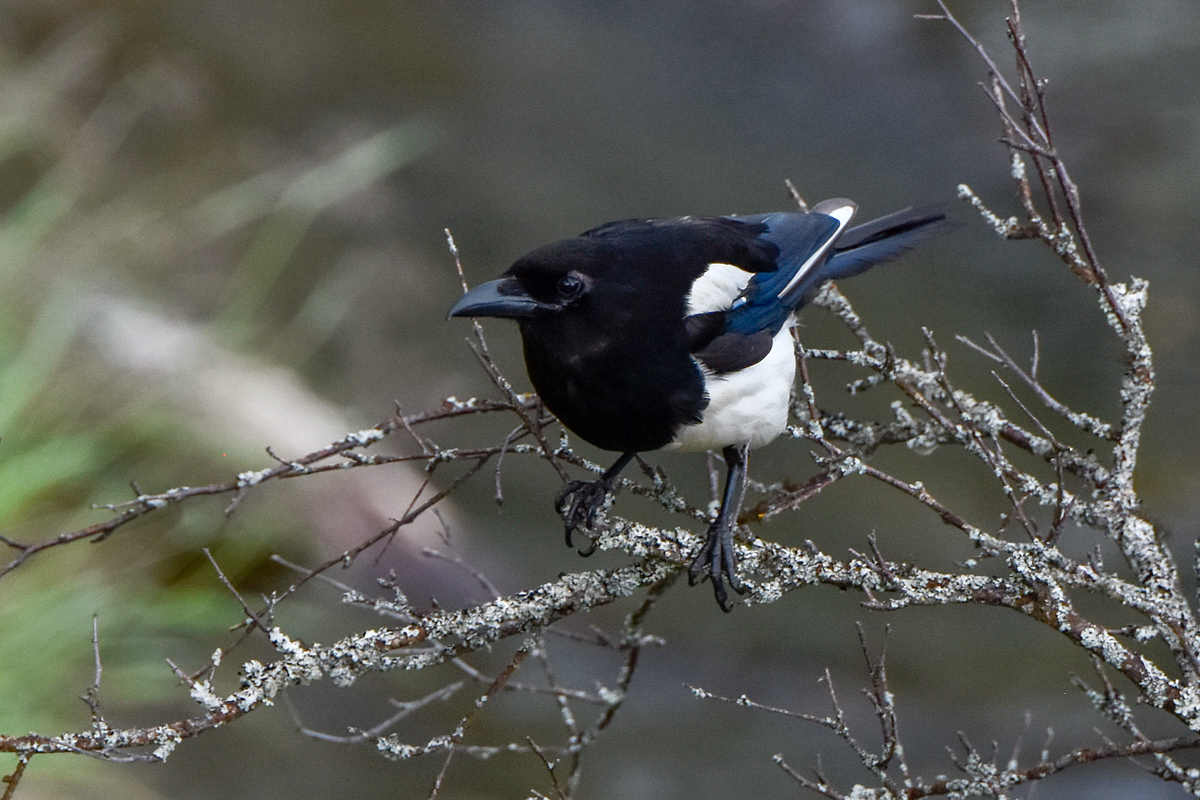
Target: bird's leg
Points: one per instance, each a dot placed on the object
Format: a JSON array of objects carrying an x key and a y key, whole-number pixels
[
  {"x": 716, "y": 559},
  {"x": 580, "y": 501}
]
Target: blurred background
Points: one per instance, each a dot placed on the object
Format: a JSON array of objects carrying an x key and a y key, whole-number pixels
[{"x": 223, "y": 230}]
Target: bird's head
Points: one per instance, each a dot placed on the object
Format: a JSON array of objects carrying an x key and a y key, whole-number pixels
[{"x": 546, "y": 282}]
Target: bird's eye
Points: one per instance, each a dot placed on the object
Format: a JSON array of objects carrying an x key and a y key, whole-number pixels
[{"x": 570, "y": 286}]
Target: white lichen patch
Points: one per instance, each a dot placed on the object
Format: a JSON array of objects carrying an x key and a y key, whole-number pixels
[
  {"x": 364, "y": 437},
  {"x": 202, "y": 693},
  {"x": 166, "y": 745},
  {"x": 247, "y": 479}
]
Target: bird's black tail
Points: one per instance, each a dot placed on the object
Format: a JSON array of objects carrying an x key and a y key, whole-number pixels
[{"x": 864, "y": 246}]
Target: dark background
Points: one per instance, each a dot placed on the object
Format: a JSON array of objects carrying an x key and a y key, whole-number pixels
[{"x": 192, "y": 268}]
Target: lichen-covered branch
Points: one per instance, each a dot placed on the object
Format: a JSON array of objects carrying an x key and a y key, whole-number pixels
[{"x": 1061, "y": 472}]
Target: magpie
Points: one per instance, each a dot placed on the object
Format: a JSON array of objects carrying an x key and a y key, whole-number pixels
[{"x": 676, "y": 333}]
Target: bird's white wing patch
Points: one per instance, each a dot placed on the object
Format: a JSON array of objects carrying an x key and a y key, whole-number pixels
[{"x": 717, "y": 288}]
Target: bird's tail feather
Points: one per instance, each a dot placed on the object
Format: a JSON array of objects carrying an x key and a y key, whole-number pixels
[
  {"x": 769, "y": 299},
  {"x": 871, "y": 243}
]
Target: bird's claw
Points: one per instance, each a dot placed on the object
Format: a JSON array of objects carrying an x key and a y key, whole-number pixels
[
  {"x": 578, "y": 504},
  {"x": 717, "y": 562}
]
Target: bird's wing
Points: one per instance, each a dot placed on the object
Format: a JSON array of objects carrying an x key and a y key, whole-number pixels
[
  {"x": 804, "y": 241},
  {"x": 735, "y": 314},
  {"x": 729, "y": 351}
]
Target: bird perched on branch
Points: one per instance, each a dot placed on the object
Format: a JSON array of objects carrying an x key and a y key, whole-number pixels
[{"x": 675, "y": 333}]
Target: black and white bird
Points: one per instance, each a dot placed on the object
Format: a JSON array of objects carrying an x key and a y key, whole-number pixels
[{"x": 675, "y": 333}]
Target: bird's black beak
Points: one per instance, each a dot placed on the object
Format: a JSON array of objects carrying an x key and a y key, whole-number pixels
[{"x": 499, "y": 298}]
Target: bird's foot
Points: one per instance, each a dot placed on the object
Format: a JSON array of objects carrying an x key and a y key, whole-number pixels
[
  {"x": 579, "y": 503},
  {"x": 717, "y": 562}
]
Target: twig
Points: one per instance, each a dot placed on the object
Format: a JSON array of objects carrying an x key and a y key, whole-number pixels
[{"x": 251, "y": 616}]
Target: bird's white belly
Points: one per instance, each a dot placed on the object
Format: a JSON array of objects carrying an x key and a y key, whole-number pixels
[{"x": 747, "y": 406}]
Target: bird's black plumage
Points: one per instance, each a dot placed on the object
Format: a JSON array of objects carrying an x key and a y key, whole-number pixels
[{"x": 644, "y": 334}]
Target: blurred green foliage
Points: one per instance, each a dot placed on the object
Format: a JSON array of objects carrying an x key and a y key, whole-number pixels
[
  {"x": 93, "y": 202},
  {"x": 212, "y": 161}
]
